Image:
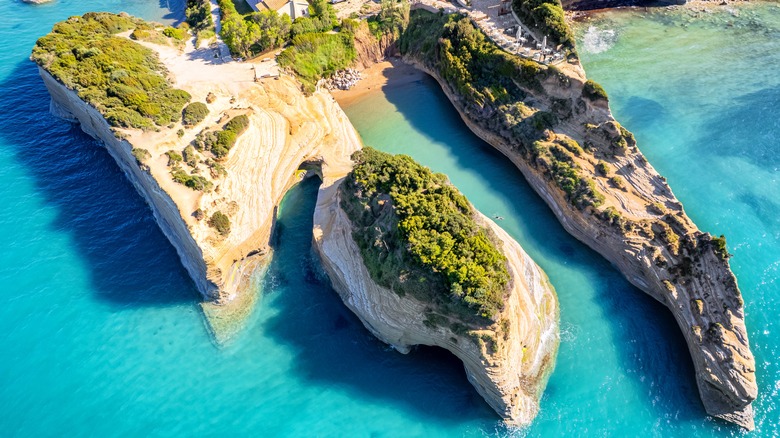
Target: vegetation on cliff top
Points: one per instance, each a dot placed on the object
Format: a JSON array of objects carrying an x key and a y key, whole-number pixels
[
  {"x": 475, "y": 67},
  {"x": 313, "y": 56},
  {"x": 125, "y": 81},
  {"x": 251, "y": 34},
  {"x": 315, "y": 53},
  {"x": 496, "y": 83},
  {"x": 593, "y": 91},
  {"x": 221, "y": 222},
  {"x": 220, "y": 142},
  {"x": 194, "y": 113},
  {"x": 418, "y": 235},
  {"x": 546, "y": 17}
]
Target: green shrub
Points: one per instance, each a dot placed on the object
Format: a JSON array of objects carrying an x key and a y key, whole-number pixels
[
  {"x": 179, "y": 34},
  {"x": 602, "y": 168},
  {"x": 580, "y": 190},
  {"x": 547, "y": 18},
  {"x": 618, "y": 182},
  {"x": 570, "y": 145},
  {"x": 190, "y": 156},
  {"x": 141, "y": 155},
  {"x": 254, "y": 33},
  {"x": 220, "y": 142},
  {"x": 475, "y": 67},
  {"x": 198, "y": 15},
  {"x": 220, "y": 222},
  {"x": 122, "y": 79},
  {"x": 174, "y": 158},
  {"x": 313, "y": 56},
  {"x": 194, "y": 113},
  {"x": 719, "y": 244},
  {"x": 612, "y": 217},
  {"x": 431, "y": 227},
  {"x": 195, "y": 182},
  {"x": 593, "y": 91}
]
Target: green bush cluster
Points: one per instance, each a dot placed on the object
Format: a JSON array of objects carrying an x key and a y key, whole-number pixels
[
  {"x": 248, "y": 35},
  {"x": 313, "y": 56},
  {"x": 719, "y": 244},
  {"x": 617, "y": 182},
  {"x": 195, "y": 182},
  {"x": 194, "y": 113},
  {"x": 435, "y": 227},
  {"x": 141, "y": 155},
  {"x": 125, "y": 81},
  {"x": 179, "y": 34},
  {"x": 220, "y": 142},
  {"x": 547, "y": 18},
  {"x": 392, "y": 19},
  {"x": 198, "y": 15},
  {"x": 174, "y": 158},
  {"x": 560, "y": 165},
  {"x": 593, "y": 91},
  {"x": 571, "y": 146},
  {"x": 477, "y": 68},
  {"x": 220, "y": 222}
]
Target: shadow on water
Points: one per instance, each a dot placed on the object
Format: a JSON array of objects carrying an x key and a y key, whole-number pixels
[
  {"x": 332, "y": 346},
  {"x": 745, "y": 129},
  {"x": 127, "y": 256},
  {"x": 642, "y": 113},
  {"x": 175, "y": 10},
  {"x": 651, "y": 348}
]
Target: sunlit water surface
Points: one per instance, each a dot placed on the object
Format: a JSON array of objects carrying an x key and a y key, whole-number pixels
[{"x": 102, "y": 335}]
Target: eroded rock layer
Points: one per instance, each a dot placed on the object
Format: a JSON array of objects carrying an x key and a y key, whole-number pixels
[
  {"x": 286, "y": 128},
  {"x": 558, "y": 130},
  {"x": 507, "y": 362}
]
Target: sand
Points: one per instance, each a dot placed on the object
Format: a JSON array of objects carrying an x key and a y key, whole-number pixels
[{"x": 376, "y": 78}]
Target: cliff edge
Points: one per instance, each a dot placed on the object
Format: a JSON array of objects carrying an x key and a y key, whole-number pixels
[
  {"x": 508, "y": 359},
  {"x": 556, "y": 127},
  {"x": 285, "y": 129}
]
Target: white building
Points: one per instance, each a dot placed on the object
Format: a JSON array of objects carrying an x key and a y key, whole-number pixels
[{"x": 293, "y": 8}]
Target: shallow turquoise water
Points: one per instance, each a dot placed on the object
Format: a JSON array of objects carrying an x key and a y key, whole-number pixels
[
  {"x": 706, "y": 115},
  {"x": 101, "y": 333}
]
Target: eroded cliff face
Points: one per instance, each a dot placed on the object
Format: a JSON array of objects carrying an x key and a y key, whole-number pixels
[
  {"x": 640, "y": 227},
  {"x": 508, "y": 362},
  {"x": 285, "y": 130}
]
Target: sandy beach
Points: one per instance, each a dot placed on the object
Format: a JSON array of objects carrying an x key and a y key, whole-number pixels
[{"x": 384, "y": 74}]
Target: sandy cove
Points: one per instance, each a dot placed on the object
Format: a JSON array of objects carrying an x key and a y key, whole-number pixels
[{"x": 393, "y": 72}]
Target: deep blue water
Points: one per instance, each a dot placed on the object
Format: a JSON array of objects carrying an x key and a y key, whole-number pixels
[{"x": 102, "y": 335}]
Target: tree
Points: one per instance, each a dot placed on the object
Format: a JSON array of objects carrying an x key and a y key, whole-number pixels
[{"x": 273, "y": 29}]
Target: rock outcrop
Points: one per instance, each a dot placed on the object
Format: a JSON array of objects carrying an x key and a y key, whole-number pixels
[
  {"x": 508, "y": 363},
  {"x": 653, "y": 242},
  {"x": 286, "y": 130}
]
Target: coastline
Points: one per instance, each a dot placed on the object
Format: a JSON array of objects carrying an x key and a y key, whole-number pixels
[
  {"x": 690, "y": 6},
  {"x": 390, "y": 73}
]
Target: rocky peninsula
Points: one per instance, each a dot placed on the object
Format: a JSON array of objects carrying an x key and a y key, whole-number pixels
[
  {"x": 556, "y": 127},
  {"x": 216, "y": 201},
  {"x": 214, "y": 176},
  {"x": 286, "y": 130}
]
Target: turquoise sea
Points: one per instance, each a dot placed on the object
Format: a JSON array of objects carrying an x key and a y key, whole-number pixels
[{"x": 102, "y": 334}]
